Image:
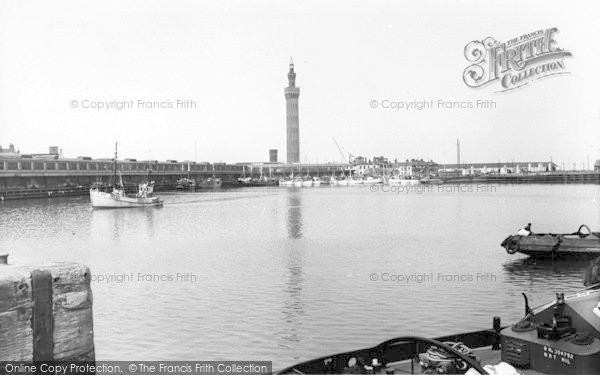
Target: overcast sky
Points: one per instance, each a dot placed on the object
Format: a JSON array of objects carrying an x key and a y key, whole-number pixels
[{"x": 231, "y": 58}]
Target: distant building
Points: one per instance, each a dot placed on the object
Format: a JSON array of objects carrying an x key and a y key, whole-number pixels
[
  {"x": 9, "y": 152},
  {"x": 597, "y": 166},
  {"x": 376, "y": 166},
  {"x": 382, "y": 162},
  {"x": 272, "y": 156},
  {"x": 475, "y": 169},
  {"x": 416, "y": 168}
]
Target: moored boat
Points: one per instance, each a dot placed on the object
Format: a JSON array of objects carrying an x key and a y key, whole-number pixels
[
  {"x": 355, "y": 181},
  {"x": 372, "y": 180},
  {"x": 342, "y": 181},
  {"x": 583, "y": 242},
  {"x": 431, "y": 180},
  {"x": 286, "y": 182},
  {"x": 307, "y": 182},
  {"x": 209, "y": 183},
  {"x": 560, "y": 337},
  {"x": 244, "y": 180},
  {"x": 399, "y": 181},
  {"x": 316, "y": 181},
  {"x": 185, "y": 183}
]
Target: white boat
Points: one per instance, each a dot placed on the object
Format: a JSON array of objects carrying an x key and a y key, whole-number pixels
[
  {"x": 399, "y": 181},
  {"x": 355, "y": 181},
  {"x": 297, "y": 182},
  {"x": 286, "y": 182},
  {"x": 333, "y": 181},
  {"x": 372, "y": 180},
  {"x": 117, "y": 198},
  {"x": 307, "y": 183},
  {"x": 342, "y": 181},
  {"x": 316, "y": 181}
]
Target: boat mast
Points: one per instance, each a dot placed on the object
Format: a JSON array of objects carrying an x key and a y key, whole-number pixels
[{"x": 115, "y": 165}]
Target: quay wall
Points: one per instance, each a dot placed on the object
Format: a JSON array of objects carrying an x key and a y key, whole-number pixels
[
  {"x": 582, "y": 177},
  {"x": 29, "y": 178}
]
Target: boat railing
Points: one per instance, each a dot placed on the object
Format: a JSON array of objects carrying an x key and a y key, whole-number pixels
[{"x": 397, "y": 350}]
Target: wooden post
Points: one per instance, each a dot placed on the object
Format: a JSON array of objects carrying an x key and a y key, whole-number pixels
[
  {"x": 46, "y": 313},
  {"x": 497, "y": 328}
]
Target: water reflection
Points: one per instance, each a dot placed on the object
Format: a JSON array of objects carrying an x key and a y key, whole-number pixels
[
  {"x": 559, "y": 273},
  {"x": 117, "y": 223},
  {"x": 293, "y": 305},
  {"x": 294, "y": 220},
  {"x": 150, "y": 221}
]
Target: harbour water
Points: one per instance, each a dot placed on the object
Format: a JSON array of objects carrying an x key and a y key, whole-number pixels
[{"x": 288, "y": 274}]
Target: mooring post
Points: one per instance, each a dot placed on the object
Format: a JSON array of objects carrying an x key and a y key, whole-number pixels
[
  {"x": 497, "y": 328},
  {"x": 45, "y": 312}
]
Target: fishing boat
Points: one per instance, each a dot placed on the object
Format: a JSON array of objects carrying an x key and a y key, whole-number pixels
[
  {"x": 209, "y": 183},
  {"x": 185, "y": 183},
  {"x": 431, "y": 180},
  {"x": 297, "y": 182},
  {"x": 399, "y": 181},
  {"x": 560, "y": 337},
  {"x": 354, "y": 180},
  {"x": 333, "y": 180},
  {"x": 244, "y": 180},
  {"x": 342, "y": 181},
  {"x": 307, "y": 182},
  {"x": 212, "y": 182},
  {"x": 286, "y": 182},
  {"x": 583, "y": 242},
  {"x": 372, "y": 180},
  {"x": 118, "y": 198}
]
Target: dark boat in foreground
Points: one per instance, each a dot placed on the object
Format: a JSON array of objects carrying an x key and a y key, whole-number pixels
[
  {"x": 581, "y": 243},
  {"x": 561, "y": 337}
]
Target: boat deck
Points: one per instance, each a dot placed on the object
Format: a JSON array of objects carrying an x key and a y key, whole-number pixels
[{"x": 485, "y": 355}]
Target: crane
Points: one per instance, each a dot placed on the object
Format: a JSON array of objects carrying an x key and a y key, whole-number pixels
[{"x": 340, "y": 150}]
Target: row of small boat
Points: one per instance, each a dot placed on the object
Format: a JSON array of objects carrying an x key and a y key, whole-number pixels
[
  {"x": 346, "y": 181},
  {"x": 191, "y": 184}
]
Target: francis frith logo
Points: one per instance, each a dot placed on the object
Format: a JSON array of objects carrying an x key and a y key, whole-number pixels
[{"x": 515, "y": 63}]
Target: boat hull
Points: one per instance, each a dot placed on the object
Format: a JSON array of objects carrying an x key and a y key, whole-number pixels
[
  {"x": 402, "y": 182},
  {"x": 101, "y": 199},
  {"x": 209, "y": 184},
  {"x": 552, "y": 245},
  {"x": 355, "y": 182}
]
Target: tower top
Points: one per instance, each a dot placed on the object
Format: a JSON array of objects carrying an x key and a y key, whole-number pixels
[{"x": 292, "y": 74}]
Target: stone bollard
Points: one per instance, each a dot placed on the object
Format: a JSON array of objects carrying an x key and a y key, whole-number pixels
[{"x": 45, "y": 312}]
